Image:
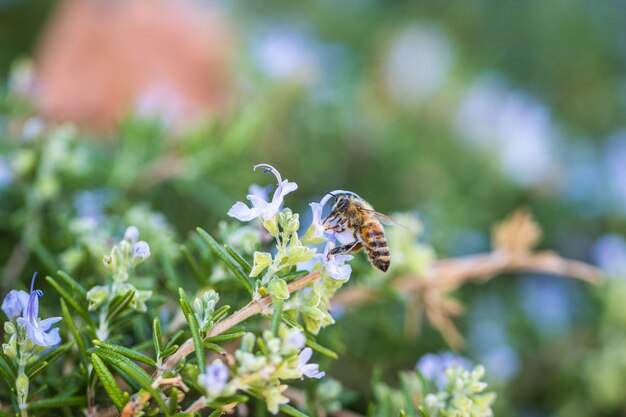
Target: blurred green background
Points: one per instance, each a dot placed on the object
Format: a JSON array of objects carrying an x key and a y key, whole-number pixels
[{"x": 460, "y": 111}]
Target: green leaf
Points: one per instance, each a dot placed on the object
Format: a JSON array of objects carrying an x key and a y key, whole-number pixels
[
  {"x": 225, "y": 337},
  {"x": 291, "y": 411},
  {"x": 239, "y": 259},
  {"x": 78, "y": 338},
  {"x": 8, "y": 364},
  {"x": 52, "y": 355},
  {"x": 220, "y": 313},
  {"x": 71, "y": 301},
  {"x": 292, "y": 276},
  {"x": 8, "y": 379},
  {"x": 173, "y": 339},
  {"x": 278, "y": 312},
  {"x": 133, "y": 370},
  {"x": 58, "y": 403},
  {"x": 195, "y": 330},
  {"x": 108, "y": 381},
  {"x": 169, "y": 271},
  {"x": 119, "y": 303},
  {"x": 73, "y": 284},
  {"x": 406, "y": 391},
  {"x": 129, "y": 353},
  {"x": 228, "y": 261},
  {"x": 157, "y": 340},
  {"x": 292, "y": 322},
  {"x": 214, "y": 347},
  {"x": 173, "y": 403},
  {"x": 193, "y": 265},
  {"x": 36, "y": 369},
  {"x": 321, "y": 349}
]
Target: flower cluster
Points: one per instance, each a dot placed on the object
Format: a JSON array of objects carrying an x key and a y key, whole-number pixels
[
  {"x": 124, "y": 257},
  {"x": 204, "y": 307},
  {"x": 278, "y": 358},
  {"x": 22, "y": 309},
  {"x": 291, "y": 251},
  {"x": 433, "y": 366},
  {"x": 28, "y": 334},
  {"x": 463, "y": 395}
]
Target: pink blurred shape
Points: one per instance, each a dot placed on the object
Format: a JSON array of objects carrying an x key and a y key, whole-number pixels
[{"x": 100, "y": 59}]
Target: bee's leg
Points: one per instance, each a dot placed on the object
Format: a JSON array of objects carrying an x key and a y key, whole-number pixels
[{"x": 350, "y": 247}]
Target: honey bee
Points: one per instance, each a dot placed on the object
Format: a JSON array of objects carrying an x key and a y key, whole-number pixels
[{"x": 356, "y": 215}]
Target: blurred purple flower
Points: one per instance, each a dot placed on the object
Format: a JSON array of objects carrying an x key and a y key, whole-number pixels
[
  {"x": 517, "y": 125},
  {"x": 418, "y": 63},
  {"x": 432, "y": 366},
  {"x": 287, "y": 54},
  {"x": 214, "y": 379},
  {"x": 609, "y": 253},
  {"x": 501, "y": 362},
  {"x": 547, "y": 302}
]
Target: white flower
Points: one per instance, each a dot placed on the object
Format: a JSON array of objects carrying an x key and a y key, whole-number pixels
[
  {"x": 310, "y": 370},
  {"x": 319, "y": 230},
  {"x": 215, "y": 379},
  {"x": 295, "y": 339},
  {"x": 335, "y": 265},
  {"x": 260, "y": 207}
]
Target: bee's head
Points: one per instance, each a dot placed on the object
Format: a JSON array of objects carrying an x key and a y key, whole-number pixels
[{"x": 341, "y": 204}]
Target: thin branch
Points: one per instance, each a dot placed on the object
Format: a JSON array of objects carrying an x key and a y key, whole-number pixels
[{"x": 251, "y": 309}]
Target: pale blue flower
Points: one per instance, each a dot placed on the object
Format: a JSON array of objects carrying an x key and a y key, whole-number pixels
[
  {"x": 335, "y": 265},
  {"x": 260, "y": 207},
  {"x": 214, "y": 379},
  {"x": 433, "y": 366},
  {"x": 310, "y": 370},
  {"x": 38, "y": 330},
  {"x": 14, "y": 303}
]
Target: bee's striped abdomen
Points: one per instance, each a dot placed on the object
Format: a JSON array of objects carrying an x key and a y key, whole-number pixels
[{"x": 375, "y": 244}]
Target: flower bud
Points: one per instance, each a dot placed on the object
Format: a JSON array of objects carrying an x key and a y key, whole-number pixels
[
  {"x": 21, "y": 384},
  {"x": 9, "y": 328},
  {"x": 97, "y": 296},
  {"x": 277, "y": 288},
  {"x": 132, "y": 234},
  {"x": 289, "y": 221},
  {"x": 262, "y": 260},
  {"x": 10, "y": 349},
  {"x": 141, "y": 252},
  {"x": 272, "y": 226}
]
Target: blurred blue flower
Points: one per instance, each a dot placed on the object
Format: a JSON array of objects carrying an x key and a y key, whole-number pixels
[
  {"x": 518, "y": 126},
  {"x": 287, "y": 54},
  {"x": 214, "y": 379},
  {"x": 260, "y": 207},
  {"x": 609, "y": 253},
  {"x": 6, "y": 173},
  {"x": 38, "y": 330},
  {"x": 547, "y": 303},
  {"x": 14, "y": 303},
  {"x": 614, "y": 157},
  {"x": 432, "y": 366},
  {"x": 418, "y": 63},
  {"x": 501, "y": 362}
]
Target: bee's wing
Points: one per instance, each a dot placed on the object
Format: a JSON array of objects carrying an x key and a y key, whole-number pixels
[{"x": 383, "y": 218}]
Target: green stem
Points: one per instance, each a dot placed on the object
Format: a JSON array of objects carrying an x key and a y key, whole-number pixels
[{"x": 278, "y": 312}]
